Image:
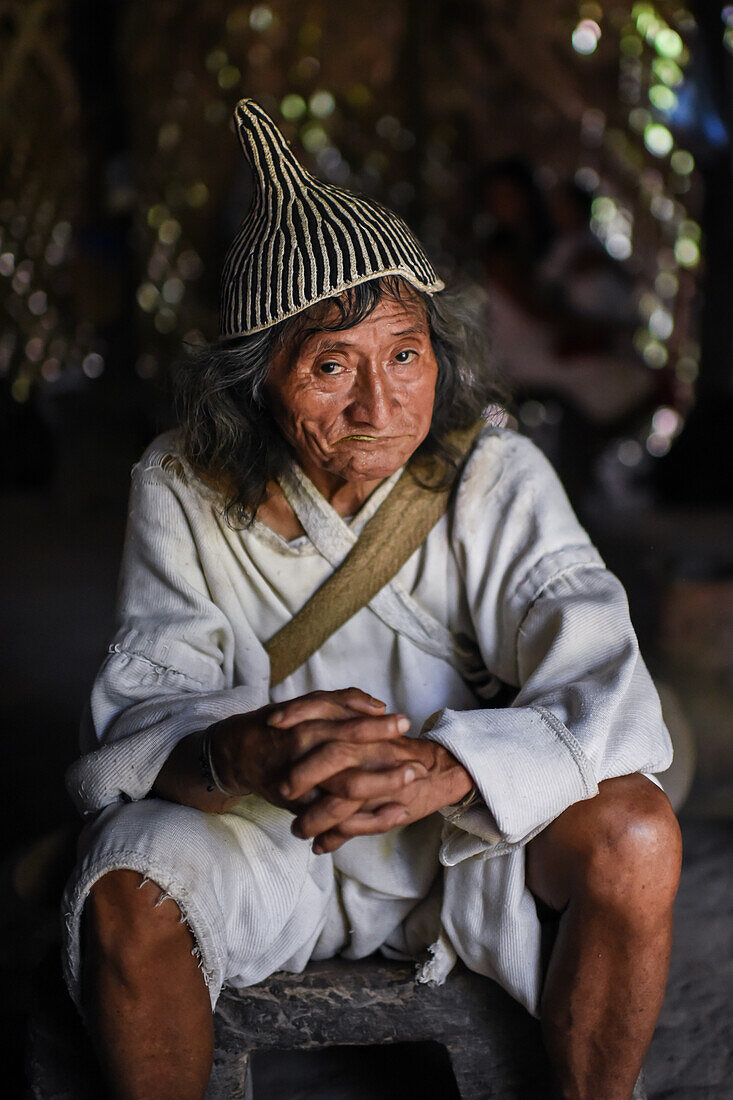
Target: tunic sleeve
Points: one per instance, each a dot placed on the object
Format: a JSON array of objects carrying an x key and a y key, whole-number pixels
[
  {"x": 169, "y": 670},
  {"x": 552, "y": 621}
]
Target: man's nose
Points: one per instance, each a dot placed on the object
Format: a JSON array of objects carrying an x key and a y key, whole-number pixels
[{"x": 374, "y": 399}]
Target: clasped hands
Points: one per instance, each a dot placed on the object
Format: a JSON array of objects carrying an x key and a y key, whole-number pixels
[{"x": 339, "y": 762}]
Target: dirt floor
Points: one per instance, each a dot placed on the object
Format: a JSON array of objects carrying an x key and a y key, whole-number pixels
[{"x": 691, "y": 1056}]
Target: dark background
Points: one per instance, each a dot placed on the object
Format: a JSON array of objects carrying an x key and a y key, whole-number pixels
[{"x": 123, "y": 184}]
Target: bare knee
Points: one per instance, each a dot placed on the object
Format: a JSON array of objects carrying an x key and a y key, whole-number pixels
[
  {"x": 620, "y": 850},
  {"x": 128, "y": 920},
  {"x": 630, "y": 857}
]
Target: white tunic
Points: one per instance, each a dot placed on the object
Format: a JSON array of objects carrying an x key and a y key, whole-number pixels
[{"x": 508, "y": 574}]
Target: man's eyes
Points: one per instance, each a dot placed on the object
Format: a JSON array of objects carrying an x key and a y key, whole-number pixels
[{"x": 331, "y": 367}]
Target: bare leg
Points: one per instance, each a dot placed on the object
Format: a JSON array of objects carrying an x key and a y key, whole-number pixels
[
  {"x": 611, "y": 866},
  {"x": 145, "y": 998}
]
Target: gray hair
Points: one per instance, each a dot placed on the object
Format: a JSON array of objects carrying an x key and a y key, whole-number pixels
[{"x": 229, "y": 434}]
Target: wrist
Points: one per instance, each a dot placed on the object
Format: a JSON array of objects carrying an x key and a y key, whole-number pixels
[
  {"x": 214, "y": 764},
  {"x": 465, "y": 794},
  {"x": 464, "y": 791},
  {"x": 455, "y": 809},
  {"x": 459, "y": 782}
]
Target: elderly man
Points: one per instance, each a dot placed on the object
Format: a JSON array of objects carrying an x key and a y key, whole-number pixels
[{"x": 277, "y": 769}]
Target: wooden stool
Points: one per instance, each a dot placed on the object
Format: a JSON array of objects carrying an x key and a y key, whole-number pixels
[{"x": 494, "y": 1046}]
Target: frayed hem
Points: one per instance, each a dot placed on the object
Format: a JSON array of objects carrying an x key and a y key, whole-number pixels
[
  {"x": 443, "y": 958},
  {"x": 75, "y": 899},
  {"x": 182, "y": 919}
]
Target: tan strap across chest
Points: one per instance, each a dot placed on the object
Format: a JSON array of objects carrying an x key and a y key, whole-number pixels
[{"x": 396, "y": 530}]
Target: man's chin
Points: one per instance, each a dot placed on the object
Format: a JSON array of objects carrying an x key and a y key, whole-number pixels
[{"x": 370, "y": 463}]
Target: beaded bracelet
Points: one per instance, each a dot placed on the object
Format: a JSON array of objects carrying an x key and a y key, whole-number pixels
[{"x": 207, "y": 766}]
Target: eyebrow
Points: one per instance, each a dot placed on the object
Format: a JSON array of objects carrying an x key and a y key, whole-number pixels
[
  {"x": 411, "y": 332},
  {"x": 323, "y": 345}
]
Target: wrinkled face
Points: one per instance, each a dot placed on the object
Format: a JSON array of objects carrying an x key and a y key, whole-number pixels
[{"x": 356, "y": 404}]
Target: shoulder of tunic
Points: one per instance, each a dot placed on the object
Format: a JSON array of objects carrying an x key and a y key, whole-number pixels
[
  {"x": 501, "y": 456},
  {"x": 164, "y": 460},
  {"x": 510, "y": 508},
  {"x": 164, "y": 453}
]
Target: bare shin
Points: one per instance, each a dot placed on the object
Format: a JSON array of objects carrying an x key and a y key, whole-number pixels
[
  {"x": 145, "y": 999},
  {"x": 611, "y": 867}
]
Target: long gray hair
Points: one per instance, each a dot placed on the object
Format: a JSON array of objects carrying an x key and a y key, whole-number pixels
[{"x": 229, "y": 434}]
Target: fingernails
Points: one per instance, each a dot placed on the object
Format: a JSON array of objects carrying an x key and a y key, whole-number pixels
[
  {"x": 403, "y": 724},
  {"x": 410, "y": 774},
  {"x": 317, "y": 848},
  {"x": 275, "y": 717},
  {"x": 377, "y": 702},
  {"x": 286, "y": 790}
]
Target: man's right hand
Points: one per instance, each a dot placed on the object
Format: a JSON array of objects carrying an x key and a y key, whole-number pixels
[{"x": 254, "y": 752}]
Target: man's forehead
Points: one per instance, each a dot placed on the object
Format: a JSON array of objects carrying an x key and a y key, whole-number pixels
[{"x": 388, "y": 318}]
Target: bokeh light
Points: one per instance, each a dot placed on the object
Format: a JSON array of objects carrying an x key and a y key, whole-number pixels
[
  {"x": 668, "y": 43},
  {"x": 293, "y": 106},
  {"x": 667, "y": 71},
  {"x": 662, "y": 98},
  {"x": 687, "y": 252},
  {"x": 261, "y": 18},
  {"x": 682, "y": 162},
  {"x": 321, "y": 104},
  {"x": 658, "y": 139},
  {"x": 629, "y": 452},
  {"x": 586, "y": 36}
]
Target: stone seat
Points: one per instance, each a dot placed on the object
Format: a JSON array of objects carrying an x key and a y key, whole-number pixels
[{"x": 494, "y": 1046}]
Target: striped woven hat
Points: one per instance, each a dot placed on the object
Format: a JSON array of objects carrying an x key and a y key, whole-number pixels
[{"x": 304, "y": 240}]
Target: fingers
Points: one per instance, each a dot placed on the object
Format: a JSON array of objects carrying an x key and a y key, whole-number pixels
[
  {"x": 328, "y": 812},
  {"x": 357, "y": 748},
  {"x": 362, "y": 824},
  {"x": 349, "y": 791},
  {"x": 324, "y": 704},
  {"x": 363, "y": 785},
  {"x": 353, "y": 731}
]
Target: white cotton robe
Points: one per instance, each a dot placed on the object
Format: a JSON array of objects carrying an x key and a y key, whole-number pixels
[{"x": 508, "y": 575}]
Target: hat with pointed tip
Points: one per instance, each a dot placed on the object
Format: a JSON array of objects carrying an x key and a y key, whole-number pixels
[{"x": 303, "y": 240}]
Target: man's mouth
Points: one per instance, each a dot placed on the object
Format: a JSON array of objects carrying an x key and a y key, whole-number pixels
[{"x": 360, "y": 438}]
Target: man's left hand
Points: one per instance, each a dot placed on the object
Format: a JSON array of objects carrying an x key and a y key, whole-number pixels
[{"x": 354, "y": 805}]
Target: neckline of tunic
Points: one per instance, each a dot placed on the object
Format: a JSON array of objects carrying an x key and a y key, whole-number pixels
[{"x": 302, "y": 544}]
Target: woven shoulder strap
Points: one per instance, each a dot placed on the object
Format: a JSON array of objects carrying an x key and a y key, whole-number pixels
[{"x": 398, "y": 527}]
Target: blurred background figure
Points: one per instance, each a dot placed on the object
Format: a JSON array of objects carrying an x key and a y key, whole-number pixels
[{"x": 562, "y": 315}]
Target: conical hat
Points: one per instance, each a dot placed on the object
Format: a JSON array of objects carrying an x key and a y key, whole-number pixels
[{"x": 304, "y": 240}]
